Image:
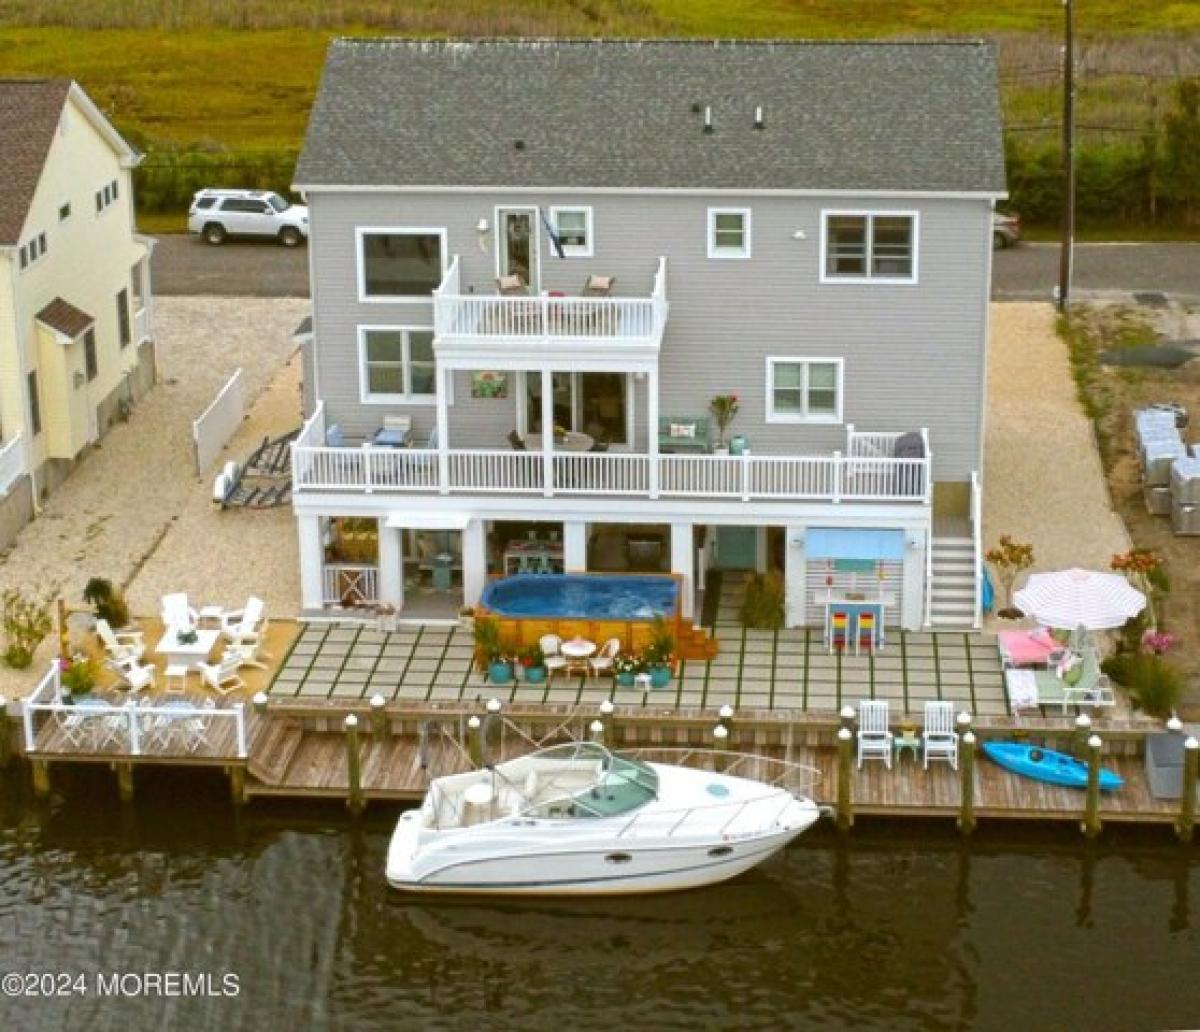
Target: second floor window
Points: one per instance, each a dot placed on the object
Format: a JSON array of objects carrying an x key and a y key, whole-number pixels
[
  {"x": 870, "y": 246},
  {"x": 35, "y": 403},
  {"x": 399, "y": 263},
  {"x": 123, "y": 333},
  {"x": 729, "y": 232},
  {"x": 106, "y": 196},
  {"x": 90, "y": 364},
  {"x": 397, "y": 365},
  {"x": 573, "y": 227},
  {"x": 804, "y": 390}
]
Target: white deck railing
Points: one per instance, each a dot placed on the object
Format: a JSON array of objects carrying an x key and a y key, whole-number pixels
[
  {"x": 12, "y": 463},
  {"x": 484, "y": 316},
  {"x": 126, "y": 727},
  {"x": 350, "y": 584},
  {"x": 483, "y": 471},
  {"x": 977, "y": 542}
]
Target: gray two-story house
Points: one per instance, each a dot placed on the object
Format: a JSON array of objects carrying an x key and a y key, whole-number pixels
[{"x": 535, "y": 265}]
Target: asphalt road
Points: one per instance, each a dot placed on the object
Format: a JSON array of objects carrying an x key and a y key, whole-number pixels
[{"x": 183, "y": 264}]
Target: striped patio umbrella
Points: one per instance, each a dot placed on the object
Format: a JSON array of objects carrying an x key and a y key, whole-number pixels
[{"x": 1068, "y": 598}]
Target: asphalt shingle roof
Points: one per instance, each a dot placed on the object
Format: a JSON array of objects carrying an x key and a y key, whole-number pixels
[
  {"x": 851, "y": 116},
  {"x": 29, "y": 113},
  {"x": 65, "y": 317}
]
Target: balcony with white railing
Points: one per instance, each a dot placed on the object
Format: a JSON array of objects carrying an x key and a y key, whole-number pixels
[
  {"x": 478, "y": 325},
  {"x": 12, "y": 463},
  {"x": 866, "y": 472}
]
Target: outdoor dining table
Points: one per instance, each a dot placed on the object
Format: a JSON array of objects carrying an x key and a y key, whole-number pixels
[
  {"x": 853, "y": 607},
  {"x": 177, "y": 653},
  {"x": 572, "y": 441},
  {"x": 577, "y": 652},
  {"x": 389, "y": 437}
]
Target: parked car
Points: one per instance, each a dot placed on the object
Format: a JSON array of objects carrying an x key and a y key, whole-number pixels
[
  {"x": 219, "y": 214},
  {"x": 1006, "y": 228}
]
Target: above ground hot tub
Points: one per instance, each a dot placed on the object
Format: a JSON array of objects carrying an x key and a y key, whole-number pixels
[{"x": 582, "y": 596}]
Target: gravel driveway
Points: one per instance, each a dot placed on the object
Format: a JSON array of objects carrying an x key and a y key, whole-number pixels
[{"x": 184, "y": 264}]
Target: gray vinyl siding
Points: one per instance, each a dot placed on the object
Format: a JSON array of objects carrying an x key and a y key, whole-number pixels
[{"x": 914, "y": 354}]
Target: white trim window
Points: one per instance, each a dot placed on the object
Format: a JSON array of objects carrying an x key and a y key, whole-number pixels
[
  {"x": 805, "y": 390},
  {"x": 396, "y": 365},
  {"x": 573, "y": 228},
  {"x": 869, "y": 246},
  {"x": 729, "y": 233},
  {"x": 399, "y": 263}
]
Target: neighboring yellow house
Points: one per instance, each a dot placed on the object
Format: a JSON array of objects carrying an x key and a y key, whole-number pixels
[{"x": 76, "y": 315}]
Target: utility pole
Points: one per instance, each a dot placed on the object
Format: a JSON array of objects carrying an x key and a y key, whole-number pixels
[{"x": 1067, "y": 254}]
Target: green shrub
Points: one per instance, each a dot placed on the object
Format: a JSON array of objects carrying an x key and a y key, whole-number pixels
[
  {"x": 762, "y": 608},
  {"x": 78, "y": 677},
  {"x": 487, "y": 640},
  {"x": 1119, "y": 667},
  {"x": 1155, "y": 685},
  {"x": 26, "y": 621}
]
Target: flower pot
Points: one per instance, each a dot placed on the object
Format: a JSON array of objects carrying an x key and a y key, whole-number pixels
[
  {"x": 660, "y": 677},
  {"x": 625, "y": 679},
  {"x": 534, "y": 674},
  {"x": 499, "y": 673}
]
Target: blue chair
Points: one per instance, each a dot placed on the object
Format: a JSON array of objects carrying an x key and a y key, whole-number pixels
[{"x": 334, "y": 436}]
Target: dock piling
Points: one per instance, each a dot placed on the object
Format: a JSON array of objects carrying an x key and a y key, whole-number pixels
[
  {"x": 379, "y": 718},
  {"x": 5, "y": 735},
  {"x": 966, "y": 770},
  {"x": 237, "y": 785},
  {"x": 607, "y": 710},
  {"x": 475, "y": 741},
  {"x": 259, "y": 702},
  {"x": 721, "y": 744},
  {"x": 845, "y": 778},
  {"x": 1091, "y": 813},
  {"x": 596, "y": 730},
  {"x": 1186, "y": 825},
  {"x": 41, "y": 778},
  {"x": 353, "y": 765},
  {"x": 124, "y": 781}
]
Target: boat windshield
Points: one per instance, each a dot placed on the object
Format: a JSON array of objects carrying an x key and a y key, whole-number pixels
[{"x": 580, "y": 780}]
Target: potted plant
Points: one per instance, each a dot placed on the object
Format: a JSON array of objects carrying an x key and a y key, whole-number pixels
[
  {"x": 533, "y": 664},
  {"x": 487, "y": 641},
  {"x": 625, "y": 667},
  {"x": 659, "y": 658},
  {"x": 724, "y": 408},
  {"x": 77, "y": 675},
  {"x": 1009, "y": 558},
  {"x": 500, "y": 666},
  {"x": 108, "y": 602},
  {"x": 660, "y": 669}
]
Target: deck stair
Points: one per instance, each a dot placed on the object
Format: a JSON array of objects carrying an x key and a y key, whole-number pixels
[
  {"x": 954, "y": 583},
  {"x": 272, "y": 751},
  {"x": 696, "y": 643}
]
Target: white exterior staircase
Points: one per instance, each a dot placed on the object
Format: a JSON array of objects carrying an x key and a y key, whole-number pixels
[{"x": 953, "y": 586}]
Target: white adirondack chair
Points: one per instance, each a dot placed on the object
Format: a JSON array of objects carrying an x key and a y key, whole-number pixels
[
  {"x": 135, "y": 674},
  {"x": 222, "y": 676},
  {"x": 243, "y": 624},
  {"x": 551, "y": 646},
  {"x": 248, "y": 654},
  {"x": 120, "y": 645},
  {"x": 874, "y": 738},
  {"x": 177, "y": 614},
  {"x": 940, "y": 740}
]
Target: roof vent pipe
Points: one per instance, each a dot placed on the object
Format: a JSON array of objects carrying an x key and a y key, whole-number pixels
[
  {"x": 708, "y": 119},
  {"x": 758, "y": 118}
]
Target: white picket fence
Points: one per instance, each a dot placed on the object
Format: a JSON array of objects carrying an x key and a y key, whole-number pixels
[{"x": 212, "y": 430}]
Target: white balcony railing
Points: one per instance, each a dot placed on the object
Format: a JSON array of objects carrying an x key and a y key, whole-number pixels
[
  {"x": 12, "y": 463},
  {"x": 485, "y": 316},
  {"x": 482, "y": 471},
  {"x": 350, "y": 585}
]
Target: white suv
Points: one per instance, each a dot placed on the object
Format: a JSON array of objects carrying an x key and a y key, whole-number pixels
[{"x": 219, "y": 214}]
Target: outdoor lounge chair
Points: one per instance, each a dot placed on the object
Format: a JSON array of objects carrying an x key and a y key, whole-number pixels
[
  {"x": 248, "y": 654},
  {"x": 1027, "y": 648},
  {"x": 939, "y": 740},
  {"x": 243, "y": 625},
  {"x": 222, "y": 676},
  {"x": 511, "y": 286},
  {"x": 1089, "y": 688},
  {"x": 120, "y": 645},
  {"x": 177, "y": 614},
  {"x": 133, "y": 674},
  {"x": 874, "y": 738}
]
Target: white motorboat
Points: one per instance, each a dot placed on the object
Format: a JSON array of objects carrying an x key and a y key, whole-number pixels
[{"x": 578, "y": 819}]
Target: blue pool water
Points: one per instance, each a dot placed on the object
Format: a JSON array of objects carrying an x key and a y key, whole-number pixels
[{"x": 594, "y": 597}]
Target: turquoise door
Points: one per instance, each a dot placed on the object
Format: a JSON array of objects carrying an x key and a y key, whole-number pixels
[{"x": 737, "y": 548}]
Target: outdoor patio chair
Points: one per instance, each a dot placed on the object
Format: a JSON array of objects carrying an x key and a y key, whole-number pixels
[
  {"x": 874, "y": 738},
  {"x": 177, "y": 614},
  {"x": 511, "y": 286},
  {"x": 134, "y": 675},
  {"x": 555, "y": 662},
  {"x": 334, "y": 437},
  {"x": 602, "y": 662},
  {"x": 866, "y": 633},
  {"x": 222, "y": 677},
  {"x": 120, "y": 645},
  {"x": 598, "y": 286},
  {"x": 196, "y": 727},
  {"x": 838, "y": 635},
  {"x": 939, "y": 740},
  {"x": 1084, "y": 684},
  {"x": 244, "y": 624},
  {"x": 248, "y": 654}
]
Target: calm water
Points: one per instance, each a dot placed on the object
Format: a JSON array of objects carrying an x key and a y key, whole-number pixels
[{"x": 897, "y": 929}]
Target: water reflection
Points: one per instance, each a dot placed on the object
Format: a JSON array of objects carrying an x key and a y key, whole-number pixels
[{"x": 900, "y": 926}]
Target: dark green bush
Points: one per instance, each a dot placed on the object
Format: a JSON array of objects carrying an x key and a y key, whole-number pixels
[
  {"x": 1155, "y": 685},
  {"x": 762, "y": 607}
]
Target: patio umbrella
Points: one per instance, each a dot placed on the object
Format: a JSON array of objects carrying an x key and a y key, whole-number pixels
[{"x": 1068, "y": 598}]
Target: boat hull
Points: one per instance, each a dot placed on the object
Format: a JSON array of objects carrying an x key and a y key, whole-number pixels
[
  {"x": 546, "y": 858},
  {"x": 1047, "y": 765}
]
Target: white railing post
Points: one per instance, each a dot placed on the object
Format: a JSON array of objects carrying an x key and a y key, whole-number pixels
[
  {"x": 27, "y": 720},
  {"x": 547, "y": 432},
  {"x": 135, "y": 740},
  {"x": 655, "y": 462},
  {"x": 368, "y": 484},
  {"x": 443, "y": 429},
  {"x": 745, "y": 476},
  {"x": 240, "y": 723},
  {"x": 928, "y": 471},
  {"x": 977, "y": 542},
  {"x": 837, "y": 477}
]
